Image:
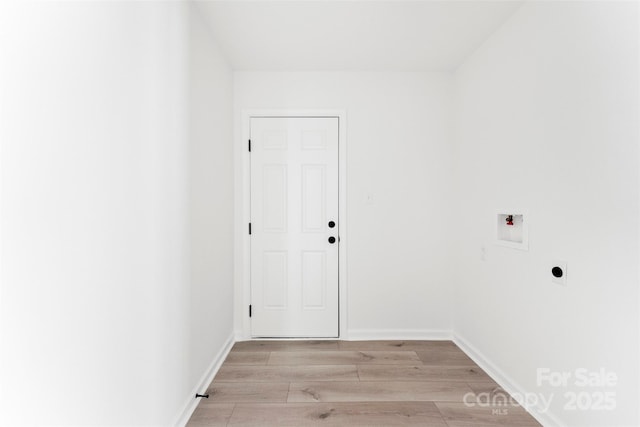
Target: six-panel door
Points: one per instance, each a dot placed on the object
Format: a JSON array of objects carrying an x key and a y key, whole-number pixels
[{"x": 294, "y": 197}]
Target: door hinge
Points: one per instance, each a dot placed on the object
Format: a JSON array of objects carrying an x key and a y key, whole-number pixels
[
  {"x": 249, "y": 145},
  {"x": 249, "y": 310},
  {"x": 249, "y": 228}
]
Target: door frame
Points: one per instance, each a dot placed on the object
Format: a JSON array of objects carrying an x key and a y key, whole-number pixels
[{"x": 242, "y": 260}]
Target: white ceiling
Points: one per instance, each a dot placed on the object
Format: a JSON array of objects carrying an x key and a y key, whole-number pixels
[{"x": 396, "y": 35}]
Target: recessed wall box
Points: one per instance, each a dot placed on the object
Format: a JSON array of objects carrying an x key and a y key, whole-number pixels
[{"x": 512, "y": 229}]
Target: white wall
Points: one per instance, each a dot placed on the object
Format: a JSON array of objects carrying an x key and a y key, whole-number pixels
[
  {"x": 398, "y": 257},
  {"x": 546, "y": 119},
  {"x": 210, "y": 200},
  {"x": 106, "y": 296}
]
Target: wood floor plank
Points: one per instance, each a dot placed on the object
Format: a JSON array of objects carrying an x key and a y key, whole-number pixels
[
  {"x": 421, "y": 373},
  {"x": 209, "y": 414},
  {"x": 343, "y": 357},
  {"x": 228, "y": 392},
  {"x": 490, "y": 387},
  {"x": 247, "y": 358},
  {"x": 390, "y": 345},
  {"x": 287, "y": 345},
  {"x": 461, "y": 415},
  {"x": 377, "y": 391},
  {"x": 445, "y": 356},
  {"x": 338, "y": 414},
  {"x": 240, "y": 373}
]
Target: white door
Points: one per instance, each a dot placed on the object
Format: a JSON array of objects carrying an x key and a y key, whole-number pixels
[{"x": 294, "y": 227}]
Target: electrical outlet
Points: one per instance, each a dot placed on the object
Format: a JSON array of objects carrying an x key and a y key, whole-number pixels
[{"x": 558, "y": 272}]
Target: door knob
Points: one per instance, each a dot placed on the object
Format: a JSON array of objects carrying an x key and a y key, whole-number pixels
[
  {"x": 332, "y": 239},
  {"x": 332, "y": 224}
]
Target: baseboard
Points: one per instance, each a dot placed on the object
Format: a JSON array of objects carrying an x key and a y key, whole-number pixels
[
  {"x": 207, "y": 377},
  {"x": 509, "y": 385},
  {"x": 399, "y": 334},
  {"x": 240, "y": 336}
]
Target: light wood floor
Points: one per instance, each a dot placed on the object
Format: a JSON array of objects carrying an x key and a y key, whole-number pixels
[{"x": 366, "y": 383}]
